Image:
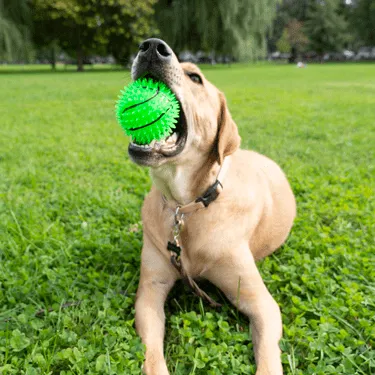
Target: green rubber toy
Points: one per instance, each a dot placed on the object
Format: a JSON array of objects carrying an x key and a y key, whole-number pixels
[{"x": 147, "y": 110}]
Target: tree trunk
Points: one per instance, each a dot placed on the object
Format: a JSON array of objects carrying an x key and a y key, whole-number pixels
[
  {"x": 80, "y": 59},
  {"x": 53, "y": 57},
  {"x": 293, "y": 56},
  {"x": 212, "y": 57}
]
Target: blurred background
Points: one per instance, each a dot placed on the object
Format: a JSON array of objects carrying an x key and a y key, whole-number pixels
[{"x": 87, "y": 32}]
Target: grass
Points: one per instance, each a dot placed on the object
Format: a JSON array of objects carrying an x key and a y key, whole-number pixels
[{"x": 70, "y": 232}]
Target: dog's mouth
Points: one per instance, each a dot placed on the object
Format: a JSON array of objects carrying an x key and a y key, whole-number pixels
[{"x": 170, "y": 146}]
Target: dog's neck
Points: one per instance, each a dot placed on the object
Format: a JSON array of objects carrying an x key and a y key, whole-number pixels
[{"x": 184, "y": 183}]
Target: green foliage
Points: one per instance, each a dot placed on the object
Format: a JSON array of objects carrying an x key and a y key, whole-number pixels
[
  {"x": 283, "y": 44},
  {"x": 197, "y": 340},
  {"x": 14, "y": 30},
  {"x": 91, "y": 26},
  {"x": 325, "y": 27},
  {"x": 295, "y": 9},
  {"x": 362, "y": 16},
  {"x": 296, "y": 36},
  {"x": 235, "y": 27},
  {"x": 292, "y": 40},
  {"x": 70, "y": 233},
  {"x": 288, "y": 10},
  {"x": 127, "y": 24}
]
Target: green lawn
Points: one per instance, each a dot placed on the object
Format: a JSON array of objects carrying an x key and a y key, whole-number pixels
[{"x": 70, "y": 233}]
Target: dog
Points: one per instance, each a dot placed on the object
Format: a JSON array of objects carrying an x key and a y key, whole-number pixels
[{"x": 222, "y": 206}]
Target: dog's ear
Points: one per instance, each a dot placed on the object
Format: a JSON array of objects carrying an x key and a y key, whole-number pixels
[{"x": 228, "y": 139}]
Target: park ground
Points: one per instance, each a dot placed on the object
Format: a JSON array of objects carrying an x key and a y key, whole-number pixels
[{"x": 70, "y": 231}]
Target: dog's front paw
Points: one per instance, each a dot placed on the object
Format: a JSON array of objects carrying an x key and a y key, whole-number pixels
[
  {"x": 269, "y": 371},
  {"x": 155, "y": 368}
]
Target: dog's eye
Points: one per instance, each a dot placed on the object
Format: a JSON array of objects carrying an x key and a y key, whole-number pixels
[{"x": 195, "y": 78}]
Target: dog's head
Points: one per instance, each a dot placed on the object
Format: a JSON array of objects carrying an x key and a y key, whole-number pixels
[{"x": 205, "y": 126}]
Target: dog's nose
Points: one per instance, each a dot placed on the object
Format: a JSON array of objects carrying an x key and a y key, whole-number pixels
[{"x": 156, "y": 50}]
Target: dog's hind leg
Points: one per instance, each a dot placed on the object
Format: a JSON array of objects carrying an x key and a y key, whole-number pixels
[
  {"x": 237, "y": 276},
  {"x": 157, "y": 279}
]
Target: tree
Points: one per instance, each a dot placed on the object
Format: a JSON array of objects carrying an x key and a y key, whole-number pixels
[
  {"x": 68, "y": 23},
  {"x": 14, "y": 29},
  {"x": 295, "y": 9},
  {"x": 83, "y": 27},
  {"x": 230, "y": 27},
  {"x": 287, "y": 11},
  {"x": 296, "y": 36},
  {"x": 125, "y": 24},
  {"x": 297, "y": 39},
  {"x": 362, "y": 17},
  {"x": 325, "y": 27},
  {"x": 283, "y": 44},
  {"x": 47, "y": 27},
  {"x": 292, "y": 40}
]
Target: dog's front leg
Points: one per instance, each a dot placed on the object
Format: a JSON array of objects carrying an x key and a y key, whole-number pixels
[
  {"x": 237, "y": 276},
  {"x": 157, "y": 279}
]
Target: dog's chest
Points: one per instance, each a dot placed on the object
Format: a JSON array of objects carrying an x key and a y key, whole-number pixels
[
  {"x": 161, "y": 230},
  {"x": 202, "y": 237}
]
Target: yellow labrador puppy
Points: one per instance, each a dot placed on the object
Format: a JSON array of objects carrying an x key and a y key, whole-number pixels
[{"x": 236, "y": 205}]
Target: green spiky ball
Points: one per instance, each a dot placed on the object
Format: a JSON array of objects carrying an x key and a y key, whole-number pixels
[{"x": 147, "y": 110}]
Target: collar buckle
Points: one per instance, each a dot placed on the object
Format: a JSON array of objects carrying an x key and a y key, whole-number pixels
[{"x": 211, "y": 194}]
